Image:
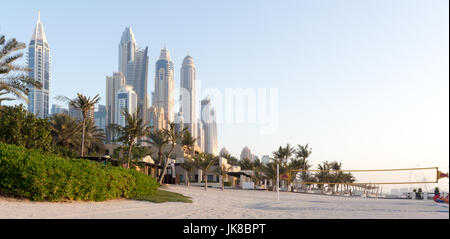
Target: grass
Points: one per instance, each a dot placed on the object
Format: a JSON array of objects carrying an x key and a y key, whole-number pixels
[{"x": 164, "y": 196}]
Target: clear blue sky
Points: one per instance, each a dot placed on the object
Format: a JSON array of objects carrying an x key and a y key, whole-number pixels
[{"x": 364, "y": 82}]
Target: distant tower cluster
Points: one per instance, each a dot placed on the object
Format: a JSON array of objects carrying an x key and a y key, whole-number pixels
[
  {"x": 39, "y": 63},
  {"x": 246, "y": 153},
  {"x": 127, "y": 90}
]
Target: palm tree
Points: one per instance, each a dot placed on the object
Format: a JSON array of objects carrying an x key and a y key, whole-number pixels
[
  {"x": 282, "y": 156},
  {"x": 230, "y": 159},
  {"x": 84, "y": 104},
  {"x": 270, "y": 172},
  {"x": 246, "y": 164},
  {"x": 278, "y": 155},
  {"x": 222, "y": 171},
  {"x": 323, "y": 175},
  {"x": 187, "y": 141},
  {"x": 65, "y": 130},
  {"x": 204, "y": 161},
  {"x": 187, "y": 166},
  {"x": 158, "y": 139},
  {"x": 303, "y": 152},
  {"x": 94, "y": 138},
  {"x": 13, "y": 78},
  {"x": 173, "y": 136},
  {"x": 134, "y": 129}
]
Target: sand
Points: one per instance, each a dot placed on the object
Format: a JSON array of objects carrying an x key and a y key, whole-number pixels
[{"x": 232, "y": 204}]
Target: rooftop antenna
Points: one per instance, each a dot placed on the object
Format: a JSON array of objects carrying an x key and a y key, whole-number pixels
[{"x": 39, "y": 15}]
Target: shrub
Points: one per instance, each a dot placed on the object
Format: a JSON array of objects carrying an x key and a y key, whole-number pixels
[
  {"x": 40, "y": 176},
  {"x": 228, "y": 184},
  {"x": 22, "y": 128}
]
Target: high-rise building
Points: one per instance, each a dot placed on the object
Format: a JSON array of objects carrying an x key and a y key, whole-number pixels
[
  {"x": 58, "y": 109},
  {"x": 188, "y": 96},
  {"x": 200, "y": 136},
  {"x": 113, "y": 84},
  {"x": 39, "y": 63},
  {"x": 224, "y": 151},
  {"x": 265, "y": 159},
  {"x": 100, "y": 117},
  {"x": 162, "y": 97},
  {"x": 126, "y": 100},
  {"x": 137, "y": 76},
  {"x": 246, "y": 153},
  {"x": 208, "y": 115},
  {"x": 127, "y": 48},
  {"x": 156, "y": 118},
  {"x": 179, "y": 122}
]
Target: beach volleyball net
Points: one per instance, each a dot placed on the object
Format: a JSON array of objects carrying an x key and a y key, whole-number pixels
[{"x": 365, "y": 177}]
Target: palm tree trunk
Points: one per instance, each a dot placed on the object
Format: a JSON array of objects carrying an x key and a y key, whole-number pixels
[
  {"x": 165, "y": 165},
  {"x": 186, "y": 180},
  {"x": 82, "y": 138},
  {"x": 159, "y": 155},
  {"x": 129, "y": 156},
  {"x": 206, "y": 181}
]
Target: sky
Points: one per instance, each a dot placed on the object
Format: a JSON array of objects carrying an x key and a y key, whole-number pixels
[{"x": 365, "y": 83}]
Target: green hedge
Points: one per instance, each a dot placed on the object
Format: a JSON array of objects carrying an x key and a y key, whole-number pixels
[
  {"x": 38, "y": 176},
  {"x": 228, "y": 184}
]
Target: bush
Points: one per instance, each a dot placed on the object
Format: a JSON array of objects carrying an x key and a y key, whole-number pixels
[
  {"x": 227, "y": 184},
  {"x": 22, "y": 128},
  {"x": 39, "y": 176}
]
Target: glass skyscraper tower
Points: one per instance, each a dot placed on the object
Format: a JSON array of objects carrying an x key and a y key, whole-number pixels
[
  {"x": 39, "y": 63},
  {"x": 133, "y": 64},
  {"x": 162, "y": 97},
  {"x": 188, "y": 97}
]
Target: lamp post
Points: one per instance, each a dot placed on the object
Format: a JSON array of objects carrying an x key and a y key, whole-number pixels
[{"x": 278, "y": 182}]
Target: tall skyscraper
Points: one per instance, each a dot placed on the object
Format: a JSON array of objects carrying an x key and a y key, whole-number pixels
[
  {"x": 156, "y": 118},
  {"x": 58, "y": 109},
  {"x": 113, "y": 84},
  {"x": 246, "y": 153},
  {"x": 188, "y": 96},
  {"x": 137, "y": 76},
  {"x": 162, "y": 97},
  {"x": 127, "y": 48},
  {"x": 39, "y": 63},
  {"x": 200, "y": 136},
  {"x": 208, "y": 115},
  {"x": 100, "y": 117},
  {"x": 126, "y": 100}
]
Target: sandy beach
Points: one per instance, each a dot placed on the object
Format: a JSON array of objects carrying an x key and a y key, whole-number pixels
[{"x": 232, "y": 204}]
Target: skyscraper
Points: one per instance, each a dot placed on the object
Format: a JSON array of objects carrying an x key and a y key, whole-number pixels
[
  {"x": 137, "y": 76},
  {"x": 113, "y": 84},
  {"x": 156, "y": 118},
  {"x": 208, "y": 115},
  {"x": 39, "y": 63},
  {"x": 200, "y": 136},
  {"x": 58, "y": 109},
  {"x": 100, "y": 117},
  {"x": 127, "y": 48},
  {"x": 162, "y": 97},
  {"x": 126, "y": 100},
  {"x": 188, "y": 96}
]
